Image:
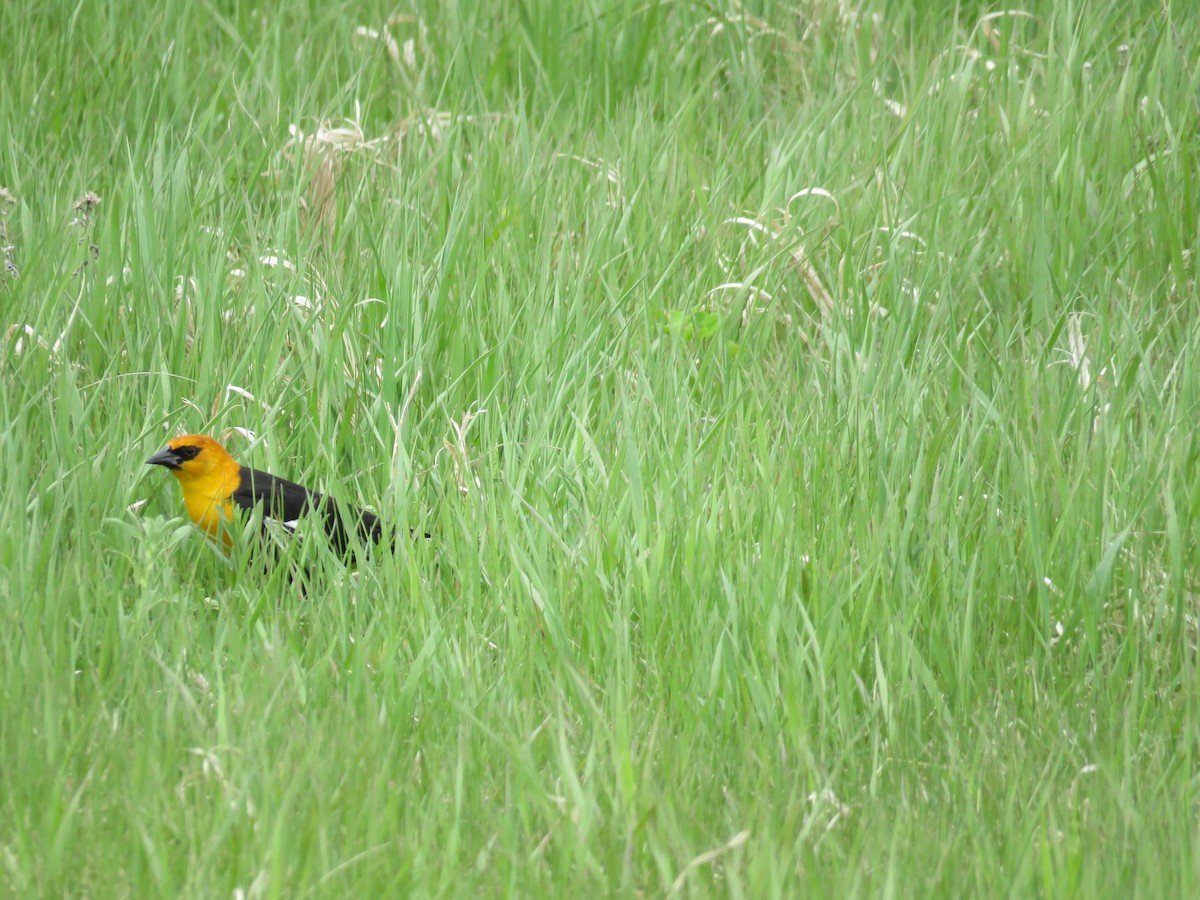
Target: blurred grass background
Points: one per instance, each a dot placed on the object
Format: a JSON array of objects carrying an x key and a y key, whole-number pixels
[{"x": 801, "y": 397}]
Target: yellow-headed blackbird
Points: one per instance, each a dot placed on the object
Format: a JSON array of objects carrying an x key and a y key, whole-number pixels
[{"x": 214, "y": 485}]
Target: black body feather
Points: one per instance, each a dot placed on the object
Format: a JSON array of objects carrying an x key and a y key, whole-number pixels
[{"x": 287, "y": 503}]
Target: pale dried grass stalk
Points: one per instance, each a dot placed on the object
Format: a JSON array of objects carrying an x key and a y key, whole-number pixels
[
  {"x": 1077, "y": 352},
  {"x": 384, "y": 36},
  {"x": 706, "y": 857},
  {"x": 84, "y": 206},
  {"x": 460, "y": 455},
  {"x": 992, "y": 34},
  {"x": 753, "y": 26},
  {"x": 322, "y": 154},
  {"x": 16, "y": 335},
  {"x": 796, "y": 253},
  {"x": 7, "y": 200},
  {"x": 612, "y": 174}
]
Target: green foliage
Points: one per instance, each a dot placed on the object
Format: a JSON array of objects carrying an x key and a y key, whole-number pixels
[{"x": 802, "y": 398}]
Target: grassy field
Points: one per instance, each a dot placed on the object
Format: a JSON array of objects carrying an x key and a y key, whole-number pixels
[{"x": 802, "y": 398}]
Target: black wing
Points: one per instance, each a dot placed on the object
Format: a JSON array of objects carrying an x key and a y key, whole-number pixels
[{"x": 286, "y": 502}]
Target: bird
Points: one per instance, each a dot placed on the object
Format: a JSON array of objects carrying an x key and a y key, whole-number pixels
[{"x": 215, "y": 487}]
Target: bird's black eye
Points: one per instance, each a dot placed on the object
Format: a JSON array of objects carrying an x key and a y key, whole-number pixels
[{"x": 187, "y": 452}]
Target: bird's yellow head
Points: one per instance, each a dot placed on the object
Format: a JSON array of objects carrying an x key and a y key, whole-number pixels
[
  {"x": 208, "y": 476},
  {"x": 193, "y": 457}
]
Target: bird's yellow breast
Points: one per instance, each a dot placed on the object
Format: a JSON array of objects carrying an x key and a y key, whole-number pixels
[{"x": 209, "y": 503}]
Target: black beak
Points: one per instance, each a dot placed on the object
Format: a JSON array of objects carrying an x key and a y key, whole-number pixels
[{"x": 165, "y": 457}]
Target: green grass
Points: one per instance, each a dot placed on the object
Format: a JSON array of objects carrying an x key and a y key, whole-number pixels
[{"x": 802, "y": 398}]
